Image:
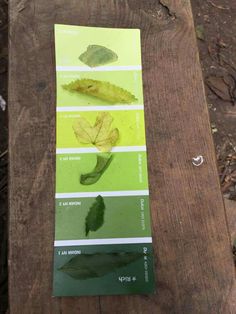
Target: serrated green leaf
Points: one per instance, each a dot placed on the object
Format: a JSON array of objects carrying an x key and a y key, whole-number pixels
[
  {"x": 103, "y": 162},
  {"x": 95, "y": 217},
  {"x": 87, "y": 266},
  {"x": 103, "y": 90},
  {"x": 97, "y": 55}
]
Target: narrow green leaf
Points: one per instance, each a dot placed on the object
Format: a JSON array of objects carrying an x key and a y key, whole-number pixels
[
  {"x": 87, "y": 266},
  {"x": 103, "y": 90},
  {"x": 103, "y": 162},
  {"x": 95, "y": 217}
]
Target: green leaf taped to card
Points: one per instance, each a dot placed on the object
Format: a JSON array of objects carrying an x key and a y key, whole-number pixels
[
  {"x": 95, "y": 217},
  {"x": 103, "y": 162},
  {"x": 97, "y": 55},
  {"x": 101, "y": 89},
  {"x": 99, "y": 134},
  {"x": 87, "y": 266}
]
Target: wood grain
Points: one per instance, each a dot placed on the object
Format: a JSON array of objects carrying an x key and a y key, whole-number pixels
[{"x": 193, "y": 262}]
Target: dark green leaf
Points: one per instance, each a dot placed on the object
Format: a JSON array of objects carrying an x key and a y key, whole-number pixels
[
  {"x": 103, "y": 162},
  {"x": 87, "y": 266},
  {"x": 97, "y": 55},
  {"x": 95, "y": 217}
]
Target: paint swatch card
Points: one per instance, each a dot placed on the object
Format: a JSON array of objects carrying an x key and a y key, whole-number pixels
[{"x": 103, "y": 243}]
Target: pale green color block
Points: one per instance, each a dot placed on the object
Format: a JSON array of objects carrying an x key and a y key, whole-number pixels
[
  {"x": 129, "y": 123},
  {"x": 74, "y": 40},
  {"x": 127, "y": 171},
  {"x": 129, "y": 80}
]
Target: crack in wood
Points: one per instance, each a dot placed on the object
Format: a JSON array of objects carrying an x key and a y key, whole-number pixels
[{"x": 168, "y": 11}]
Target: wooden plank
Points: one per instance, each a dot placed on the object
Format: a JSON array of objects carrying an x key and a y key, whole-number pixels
[{"x": 192, "y": 247}]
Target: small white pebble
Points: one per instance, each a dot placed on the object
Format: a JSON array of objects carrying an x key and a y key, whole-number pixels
[
  {"x": 3, "y": 103},
  {"x": 197, "y": 161}
]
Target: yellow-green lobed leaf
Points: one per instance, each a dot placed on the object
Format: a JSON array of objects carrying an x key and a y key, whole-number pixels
[{"x": 99, "y": 134}]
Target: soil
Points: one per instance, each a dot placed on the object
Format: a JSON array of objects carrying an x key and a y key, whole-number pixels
[{"x": 215, "y": 23}]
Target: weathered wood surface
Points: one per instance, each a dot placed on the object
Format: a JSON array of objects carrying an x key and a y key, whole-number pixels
[{"x": 193, "y": 261}]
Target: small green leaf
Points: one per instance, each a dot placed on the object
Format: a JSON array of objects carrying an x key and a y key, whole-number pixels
[
  {"x": 103, "y": 162},
  {"x": 97, "y": 55},
  {"x": 87, "y": 266},
  {"x": 200, "y": 32},
  {"x": 95, "y": 217}
]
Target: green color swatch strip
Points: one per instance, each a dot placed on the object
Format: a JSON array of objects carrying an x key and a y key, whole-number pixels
[{"x": 102, "y": 226}]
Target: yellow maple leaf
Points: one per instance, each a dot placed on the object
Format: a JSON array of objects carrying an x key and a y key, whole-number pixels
[{"x": 99, "y": 134}]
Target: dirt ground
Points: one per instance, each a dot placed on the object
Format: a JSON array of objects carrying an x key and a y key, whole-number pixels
[{"x": 215, "y": 23}]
